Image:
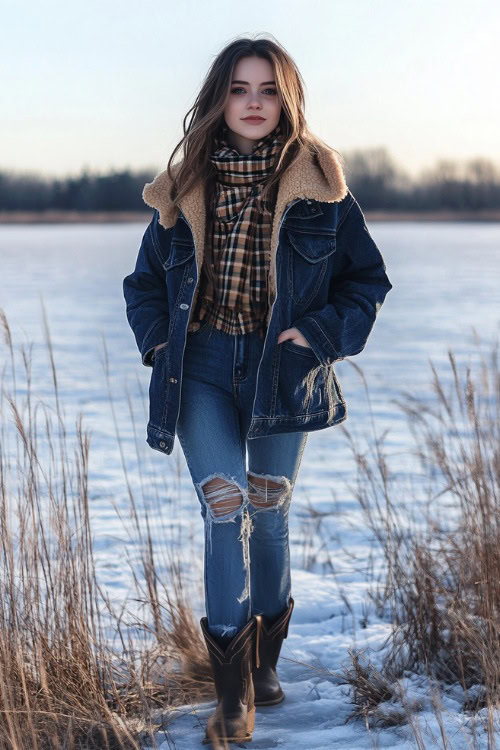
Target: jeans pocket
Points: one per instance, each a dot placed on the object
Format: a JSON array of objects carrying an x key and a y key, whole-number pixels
[{"x": 204, "y": 325}]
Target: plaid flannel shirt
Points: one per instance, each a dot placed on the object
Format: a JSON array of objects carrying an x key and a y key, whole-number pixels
[{"x": 241, "y": 238}]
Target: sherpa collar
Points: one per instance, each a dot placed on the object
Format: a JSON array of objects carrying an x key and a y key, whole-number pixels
[{"x": 321, "y": 180}]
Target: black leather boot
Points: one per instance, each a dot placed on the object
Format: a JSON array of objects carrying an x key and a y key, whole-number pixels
[
  {"x": 234, "y": 716},
  {"x": 268, "y": 690}
]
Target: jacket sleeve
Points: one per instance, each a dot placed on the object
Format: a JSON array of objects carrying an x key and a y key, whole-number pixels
[
  {"x": 145, "y": 292},
  {"x": 357, "y": 291}
]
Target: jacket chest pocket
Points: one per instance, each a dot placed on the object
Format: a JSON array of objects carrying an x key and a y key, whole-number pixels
[
  {"x": 307, "y": 263},
  {"x": 180, "y": 254},
  {"x": 179, "y": 267}
]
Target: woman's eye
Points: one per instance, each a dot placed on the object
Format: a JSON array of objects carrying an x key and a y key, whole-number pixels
[{"x": 239, "y": 88}]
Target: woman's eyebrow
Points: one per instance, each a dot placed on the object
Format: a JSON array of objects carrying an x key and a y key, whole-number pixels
[{"x": 264, "y": 83}]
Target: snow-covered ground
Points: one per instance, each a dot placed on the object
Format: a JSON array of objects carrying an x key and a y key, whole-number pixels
[
  {"x": 445, "y": 279},
  {"x": 313, "y": 715}
]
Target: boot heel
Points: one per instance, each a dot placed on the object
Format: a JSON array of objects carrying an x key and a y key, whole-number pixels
[
  {"x": 251, "y": 721},
  {"x": 268, "y": 691}
]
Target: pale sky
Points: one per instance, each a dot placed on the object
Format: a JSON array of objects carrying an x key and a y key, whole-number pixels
[{"x": 106, "y": 84}]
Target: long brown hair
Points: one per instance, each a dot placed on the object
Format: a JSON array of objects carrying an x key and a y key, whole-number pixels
[{"x": 207, "y": 123}]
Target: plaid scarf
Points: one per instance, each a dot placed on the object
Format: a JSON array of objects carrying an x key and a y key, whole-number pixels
[{"x": 241, "y": 236}]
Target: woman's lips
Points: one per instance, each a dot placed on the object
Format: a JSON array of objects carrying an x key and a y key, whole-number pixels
[{"x": 254, "y": 120}]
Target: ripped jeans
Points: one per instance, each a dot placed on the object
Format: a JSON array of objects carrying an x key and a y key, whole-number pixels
[{"x": 247, "y": 556}]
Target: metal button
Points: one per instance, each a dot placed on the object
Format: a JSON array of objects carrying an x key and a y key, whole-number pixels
[
  {"x": 190, "y": 280},
  {"x": 184, "y": 306},
  {"x": 173, "y": 380},
  {"x": 162, "y": 444}
]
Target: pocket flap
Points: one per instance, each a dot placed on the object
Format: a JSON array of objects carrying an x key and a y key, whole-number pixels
[
  {"x": 312, "y": 247},
  {"x": 179, "y": 253}
]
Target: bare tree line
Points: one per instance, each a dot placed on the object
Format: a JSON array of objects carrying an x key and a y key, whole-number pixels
[
  {"x": 379, "y": 183},
  {"x": 373, "y": 176}
]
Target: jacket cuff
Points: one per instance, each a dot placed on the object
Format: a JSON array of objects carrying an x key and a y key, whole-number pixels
[{"x": 317, "y": 339}]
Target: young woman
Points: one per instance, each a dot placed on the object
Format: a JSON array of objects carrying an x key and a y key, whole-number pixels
[{"x": 256, "y": 274}]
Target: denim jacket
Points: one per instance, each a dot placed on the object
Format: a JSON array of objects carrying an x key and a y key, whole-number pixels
[{"x": 327, "y": 278}]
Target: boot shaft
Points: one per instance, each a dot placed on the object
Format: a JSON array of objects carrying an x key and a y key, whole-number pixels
[
  {"x": 234, "y": 715},
  {"x": 272, "y": 636},
  {"x": 232, "y": 667}
]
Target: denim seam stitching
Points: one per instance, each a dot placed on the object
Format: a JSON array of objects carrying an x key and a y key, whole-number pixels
[
  {"x": 345, "y": 214},
  {"x": 322, "y": 332},
  {"x": 299, "y": 416},
  {"x": 155, "y": 246}
]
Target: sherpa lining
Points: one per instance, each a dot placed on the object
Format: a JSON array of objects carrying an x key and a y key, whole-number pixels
[{"x": 318, "y": 178}]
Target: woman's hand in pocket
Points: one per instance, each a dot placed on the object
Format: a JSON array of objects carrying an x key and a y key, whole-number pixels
[
  {"x": 293, "y": 334},
  {"x": 159, "y": 346}
]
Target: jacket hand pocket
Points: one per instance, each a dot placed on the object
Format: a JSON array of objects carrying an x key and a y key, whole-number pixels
[
  {"x": 158, "y": 389},
  {"x": 300, "y": 348},
  {"x": 159, "y": 348}
]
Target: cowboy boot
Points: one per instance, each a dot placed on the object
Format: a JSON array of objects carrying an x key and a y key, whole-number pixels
[
  {"x": 267, "y": 688},
  {"x": 234, "y": 716}
]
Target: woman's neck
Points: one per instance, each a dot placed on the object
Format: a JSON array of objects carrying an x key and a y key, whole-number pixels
[{"x": 242, "y": 145}]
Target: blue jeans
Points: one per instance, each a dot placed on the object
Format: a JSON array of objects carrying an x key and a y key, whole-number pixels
[{"x": 247, "y": 555}]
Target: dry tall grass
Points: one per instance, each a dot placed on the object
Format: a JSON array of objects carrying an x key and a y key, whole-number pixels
[
  {"x": 442, "y": 583},
  {"x": 61, "y": 684}
]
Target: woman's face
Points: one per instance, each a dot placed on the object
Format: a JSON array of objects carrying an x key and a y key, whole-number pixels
[{"x": 253, "y": 93}]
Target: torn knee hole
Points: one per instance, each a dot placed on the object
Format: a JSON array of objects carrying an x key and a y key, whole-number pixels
[
  {"x": 222, "y": 496},
  {"x": 264, "y": 492}
]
